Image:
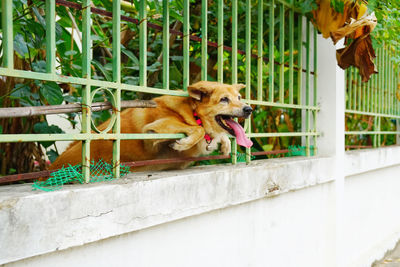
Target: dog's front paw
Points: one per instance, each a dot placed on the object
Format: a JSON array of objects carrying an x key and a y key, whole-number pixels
[
  {"x": 182, "y": 144},
  {"x": 225, "y": 145},
  {"x": 212, "y": 146}
]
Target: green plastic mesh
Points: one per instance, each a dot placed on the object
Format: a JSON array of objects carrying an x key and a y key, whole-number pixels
[
  {"x": 299, "y": 151},
  {"x": 241, "y": 157},
  {"x": 102, "y": 171},
  {"x": 99, "y": 171}
]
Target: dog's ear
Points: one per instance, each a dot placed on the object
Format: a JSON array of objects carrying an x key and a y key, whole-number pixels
[
  {"x": 199, "y": 89},
  {"x": 239, "y": 86}
]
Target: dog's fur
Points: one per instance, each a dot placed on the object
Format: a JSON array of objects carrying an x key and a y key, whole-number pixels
[{"x": 173, "y": 114}]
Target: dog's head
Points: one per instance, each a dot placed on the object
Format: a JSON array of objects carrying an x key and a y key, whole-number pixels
[{"x": 218, "y": 104}]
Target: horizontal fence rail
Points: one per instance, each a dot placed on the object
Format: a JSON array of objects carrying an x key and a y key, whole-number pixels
[
  {"x": 277, "y": 61},
  {"x": 372, "y": 108},
  {"x": 70, "y": 108}
]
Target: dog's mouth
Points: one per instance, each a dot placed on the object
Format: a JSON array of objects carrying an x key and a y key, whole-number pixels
[{"x": 235, "y": 129}]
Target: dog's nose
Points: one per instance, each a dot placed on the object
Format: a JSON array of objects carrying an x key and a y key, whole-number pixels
[{"x": 247, "y": 110}]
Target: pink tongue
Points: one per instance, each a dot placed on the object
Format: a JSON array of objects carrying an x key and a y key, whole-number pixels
[{"x": 241, "y": 137}]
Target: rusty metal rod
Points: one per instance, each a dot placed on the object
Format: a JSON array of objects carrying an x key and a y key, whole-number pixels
[
  {"x": 69, "y": 108},
  {"x": 47, "y": 173}
]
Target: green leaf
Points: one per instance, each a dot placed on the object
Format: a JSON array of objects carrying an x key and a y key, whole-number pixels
[
  {"x": 52, "y": 93},
  {"x": 267, "y": 147},
  {"x": 101, "y": 68},
  {"x": 20, "y": 90},
  {"x": 52, "y": 154},
  {"x": 39, "y": 66},
  {"x": 41, "y": 20},
  {"x": 43, "y": 127},
  {"x": 130, "y": 55},
  {"x": 23, "y": 93},
  {"x": 70, "y": 53},
  {"x": 20, "y": 45}
]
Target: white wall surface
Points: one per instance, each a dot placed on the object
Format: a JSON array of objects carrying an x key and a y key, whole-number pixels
[
  {"x": 270, "y": 213},
  {"x": 371, "y": 213},
  {"x": 287, "y": 230}
]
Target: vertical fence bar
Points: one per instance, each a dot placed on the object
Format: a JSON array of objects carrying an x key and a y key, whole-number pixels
[
  {"x": 50, "y": 36},
  {"x": 384, "y": 82},
  {"x": 387, "y": 83},
  {"x": 347, "y": 79},
  {"x": 143, "y": 43},
  {"x": 116, "y": 63},
  {"x": 354, "y": 82},
  {"x": 291, "y": 48},
  {"x": 380, "y": 94},
  {"x": 308, "y": 87},
  {"x": 397, "y": 87},
  {"x": 392, "y": 95},
  {"x": 234, "y": 65},
  {"x": 350, "y": 84},
  {"x": 373, "y": 93},
  {"x": 260, "y": 49},
  {"x": 376, "y": 104},
  {"x": 7, "y": 22},
  {"x": 220, "y": 75},
  {"x": 315, "y": 91},
  {"x": 86, "y": 100},
  {"x": 271, "y": 50},
  {"x": 364, "y": 96},
  {"x": 186, "y": 43},
  {"x": 360, "y": 93},
  {"x": 393, "y": 90},
  {"x": 282, "y": 53},
  {"x": 389, "y": 87},
  {"x": 381, "y": 82},
  {"x": 165, "y": 72},
  {"x": 368, "y": 96},
  {"x": 356, "y": 85},
  {"x": 204, "y": 39},
  {"x": 300, "y": 59},
  {"x": 248, "y": 68}
]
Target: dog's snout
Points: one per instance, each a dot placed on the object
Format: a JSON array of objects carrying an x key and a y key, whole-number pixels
[{"x": 247, "y": 110}]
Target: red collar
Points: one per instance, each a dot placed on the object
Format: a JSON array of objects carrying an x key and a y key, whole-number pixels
[{"x": 200, "y": 123}]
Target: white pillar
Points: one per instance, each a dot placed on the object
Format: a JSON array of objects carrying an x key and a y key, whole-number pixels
[{"x": 330, "y": 122}]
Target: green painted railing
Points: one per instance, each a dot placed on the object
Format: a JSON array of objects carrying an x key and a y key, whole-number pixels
[
  {"x": 283, "y": 17},
  {"x": 374, "y": 101}
]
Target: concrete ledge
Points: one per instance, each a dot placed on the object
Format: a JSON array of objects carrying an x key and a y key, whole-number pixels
[
  {"x": 34, "y": 223},
  {"x": 360, "y": 161}
]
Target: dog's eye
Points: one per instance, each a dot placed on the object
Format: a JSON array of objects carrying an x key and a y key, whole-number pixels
[
  {"x": 239, "y": 97},
  {"x": 224, "y": 99}
]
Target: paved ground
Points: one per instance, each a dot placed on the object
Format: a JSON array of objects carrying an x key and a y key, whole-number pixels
[{"x": 391, "y": 259}]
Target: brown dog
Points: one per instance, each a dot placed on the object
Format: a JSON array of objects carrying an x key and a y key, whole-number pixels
[{"x": 205, "y": 117}]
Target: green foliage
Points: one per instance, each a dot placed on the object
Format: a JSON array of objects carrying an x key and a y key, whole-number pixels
[
  {"x": 29, "y": 43},
  {"x": 338, "y": 5},
  {"x": 43, "y": 127},
  {"x": 387, "y": 30},
  {"x": 306, "y": 6}
]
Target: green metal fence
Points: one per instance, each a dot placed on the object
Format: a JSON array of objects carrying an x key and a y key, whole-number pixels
[
  {"x": 291, "y": 77},
  {"x": 372, "y": 108}
]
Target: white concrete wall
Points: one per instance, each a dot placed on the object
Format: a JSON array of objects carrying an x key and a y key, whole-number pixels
[
  {"x": 287, "y": 230},
  {"x": 371, "y": 215},
  {"x": 271, "y": 213}
]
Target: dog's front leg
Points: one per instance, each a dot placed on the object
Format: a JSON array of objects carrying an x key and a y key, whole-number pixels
[
  {"x": 194, "y": 134},
  {"x": 225, "y": 145}
]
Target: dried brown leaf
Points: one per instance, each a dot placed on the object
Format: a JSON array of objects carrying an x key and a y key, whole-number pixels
[{"x": 360, "y": 54}]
